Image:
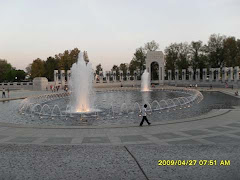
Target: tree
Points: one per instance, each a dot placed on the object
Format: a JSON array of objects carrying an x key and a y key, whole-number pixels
[
  {"x": 171, "y": 56},
  {"x": 5, "y": 67},
  {"x": 238, "y": 52},
  {"x": 138, "y": 60},
  {"x": 38, "y": 68},
  {"x": 123, "y": 67},
  {"x": 98, "y": 68},
  {"x": 67, "y": 59},
  {"x": 230, "y": 52},
  {"x": 51, "y": 64},
  {"x": 183, "y": 56},
  {"x": 215, "y": 50},
  {"x": 198, "y": 58},
  {"x": 151, "y": 46}
]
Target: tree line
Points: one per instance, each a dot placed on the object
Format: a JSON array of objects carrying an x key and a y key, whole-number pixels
[
  {"x": 8, "y": 73},
  {"x": 220, "y": 51},
  {"x": 61, "y": 61}
]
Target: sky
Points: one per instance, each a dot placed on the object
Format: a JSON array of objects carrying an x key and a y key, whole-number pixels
[{"x": 109, "y": 30}]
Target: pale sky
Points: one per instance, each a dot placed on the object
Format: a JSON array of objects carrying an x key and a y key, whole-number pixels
[{"x": 110, "y": 30}]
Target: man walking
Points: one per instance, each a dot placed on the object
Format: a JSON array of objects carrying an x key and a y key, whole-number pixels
[{"x": 144, "y": 115}]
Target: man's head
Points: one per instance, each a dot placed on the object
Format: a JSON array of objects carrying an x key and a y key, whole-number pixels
[{"x": 145, "y": 106}]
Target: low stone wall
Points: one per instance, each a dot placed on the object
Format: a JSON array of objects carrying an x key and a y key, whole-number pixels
[
  {"x": 117, "y": 84},
  {"x": 218, "y": 84},
  {"x": 17, "y": 85}
]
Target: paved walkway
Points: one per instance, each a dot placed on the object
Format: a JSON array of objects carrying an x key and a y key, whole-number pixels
[{"x": 219, "y": 126}]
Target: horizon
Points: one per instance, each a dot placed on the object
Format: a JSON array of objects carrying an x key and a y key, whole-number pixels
[{"x": 109, "y": 31}]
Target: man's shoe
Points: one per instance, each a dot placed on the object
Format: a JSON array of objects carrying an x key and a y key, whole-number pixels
[{"x": 149, "y": 124}]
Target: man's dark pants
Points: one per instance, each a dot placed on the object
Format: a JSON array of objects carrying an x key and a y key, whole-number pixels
[{"x": 144, "y": 118}]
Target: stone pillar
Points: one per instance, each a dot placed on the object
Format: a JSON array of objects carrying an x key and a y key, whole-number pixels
[
  {"x": 190, "y": 74},
  {"x": 224, "y": 74},
  {"x": 176, "y": 75},
  {"x": 68, "y": 76},
  {"x": 211, "y": 74},
  {"x": 114, "y": 76},
  {"x": 63, "y": 78},
  {"x": 128, "y": 75},
  {"x": 197, "y": 75},
  {"x": 107, "y": 76},
  {"x": 169, "y": 75},
  {"x": 218, "y": 72},
  {"x": 236, "y": 73},
  {"x": 230, "y": 74},
  {"x": 121, "y": 76},
  {"x": 204, "y": 75},
  {"x": 101, "y": 76},
  {"x": 184, "y": 75},
  {"x": 56, "y": 77},
  {"x": 135, "y": 75}
]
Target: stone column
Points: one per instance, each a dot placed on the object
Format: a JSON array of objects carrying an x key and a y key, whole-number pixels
[
  {"x": 184, "y": 75},
  {"x": 197, "y": 75},
  {"x": 107, "y": 76},
  {"x": 56, "y": 77},
  {"x": 114, "y": 76},
  {"x": 190, "y": 74},
  {"x": 236, "y": 73},
  {"x": 211, "y": 74},
  {"x": 121, "y": 75},
  {"x": 230, "y": 74},
  {"x": 68, "y": 76},
  {"x": 110, "y": 76},
  {"x": 176, "y": 75},
  {"x": 135, "y": 75},
  {"x": 204, "y": 75},
  {"x": 218, "y": 72},
  {"x": 128, "y": 75},
  {"x": 63, "y": 78},
  {"x": 101, "y": 76},
  {"x": 169, "y": 75},
  {"x": 224, "y": 74}
]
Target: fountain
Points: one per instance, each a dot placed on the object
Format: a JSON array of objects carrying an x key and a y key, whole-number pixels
[
  {"x": 81, "y": 86},
  {"x": 145, "y": 83}
]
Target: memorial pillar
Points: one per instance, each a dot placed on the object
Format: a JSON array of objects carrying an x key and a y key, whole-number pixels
[
  {"x": 62, "y": 78},
  {"x": 218, "y": 72},
  {"x": 230, "y": 74},
  {"x": 184, "y": 75},
  {"x": 204, "y": 75},
  {"x": 236, "y": 74},
  {"x": 197, "y": 75},
  {"x": 190, "y": 74},
  {"x": 176, "y": 75},
  {"x": 68, "y": 76},
  {"x": 128, "y": 75},
  {"x": 224, "y": 74},
  {"x": 211, "y": 74},
  {"x": 101, "y": 76},
  {"x": 114, "y": 76},
  {"x": 135, "y": 75},
  {"x": 56, "y": 77}
]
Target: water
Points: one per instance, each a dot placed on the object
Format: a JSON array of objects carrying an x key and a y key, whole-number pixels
[
  {"x": 110, "y": 103},
  {"x": 82, "y": 96},
  {"x": 145, "y": 83}
]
